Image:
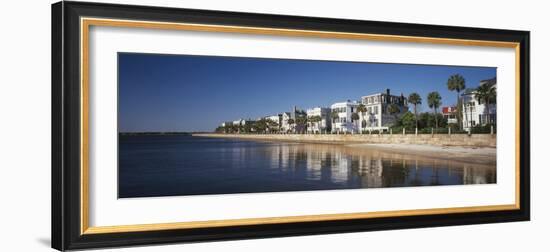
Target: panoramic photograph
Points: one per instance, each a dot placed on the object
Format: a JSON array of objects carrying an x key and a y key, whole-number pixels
[{"x": 204, "y": 125}]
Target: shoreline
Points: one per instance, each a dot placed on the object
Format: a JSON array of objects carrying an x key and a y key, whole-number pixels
[
  {"x": 461, "y": 153},
  {"x": 438, "y": 140}
]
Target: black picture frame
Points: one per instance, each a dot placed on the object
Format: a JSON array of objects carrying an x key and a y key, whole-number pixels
[{"x": 66, "y": 155}]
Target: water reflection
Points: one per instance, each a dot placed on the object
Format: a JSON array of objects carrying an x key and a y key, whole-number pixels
[
  {"x": 375, "y": 168},
  {"x": 183, "y": 165}
]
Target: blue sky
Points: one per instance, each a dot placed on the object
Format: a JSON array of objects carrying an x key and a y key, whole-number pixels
[{"x": 197, "y": 93}]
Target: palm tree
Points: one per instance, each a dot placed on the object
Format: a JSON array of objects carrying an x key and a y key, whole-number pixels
[
  {"x": 457, "y": 83},
  {"x": 233, "y": 128},
  {"x": 290, "y": 123},
  {"x": 334, "y": 115},
  {"x": 361, "y": 109},
  {"x": 260, "y": 126},
  {"x": 301, "y": 123},
  {"x": 486, "y": 93},
  {"x": 272, "y": 125},
  {"x": 415, "y": 99},
  {"x": 355, "y": 117},
  {"x": 314, "y": 120},
  {"x": 434, "y": 101}
]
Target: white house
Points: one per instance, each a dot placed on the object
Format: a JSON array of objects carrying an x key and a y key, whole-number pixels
[
  {"x": 285, "y": 126},
  {"x": 276, "y": 119},
  {"x": 296, "y": 115},
  {"x": 474, "y": 111},
  {"x": 322, "y": 126},
  {"x": 378, "y": 116},
  {"x": 343, "y": 123},
  {"x": 240, "y": 122}
]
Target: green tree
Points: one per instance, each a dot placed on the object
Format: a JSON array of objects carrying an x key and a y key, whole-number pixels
[
  {"x": 486, "y": 94},
  {"x": 248, "y": 127},
  {"x": 394, "y": 110},
  {"x": 272, "y": 125},
  {"x": 301, "y": 123},
  {"x": 231, "y": 128},
  {"x": 425, "y": 120},
  {"x": 290, "y": 122},
  {"x": 314, "y": 120},
  {"x": 434, "y": 101},
  {"x": 261, "y": 125},
  {"x": 408, "y": 120},
  {"x": 355, "y": 118},
  {"x": 334, "y": 115},
  {"x": 362, "y": 109},
  {"x": 457, "y": 83},
  {"x": 415, "y": 99}
]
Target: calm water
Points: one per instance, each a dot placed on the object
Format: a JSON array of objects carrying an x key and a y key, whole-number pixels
[{"x": 186, "y": 165}]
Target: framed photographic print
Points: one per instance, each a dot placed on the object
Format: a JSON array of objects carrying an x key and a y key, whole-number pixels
[{"x": 180, "y": 125}]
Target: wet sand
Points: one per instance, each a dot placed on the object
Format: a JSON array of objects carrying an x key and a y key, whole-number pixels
[
  {"x": 463, "y": 154},
  {"x": 478, "y": 155}
]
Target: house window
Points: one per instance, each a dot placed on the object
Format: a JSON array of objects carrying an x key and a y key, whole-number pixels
[
  {"x": 376, "y": 110},
  {"x": 376, "y": 99}
]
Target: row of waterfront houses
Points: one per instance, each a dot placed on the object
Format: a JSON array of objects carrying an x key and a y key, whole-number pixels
[
  {"x": 344, "y": 117},
  {"x": 340, "y": 117}
]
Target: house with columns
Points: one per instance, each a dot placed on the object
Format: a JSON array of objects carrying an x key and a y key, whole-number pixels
[
  {"x": 323, "y": 125},
  {"x": 341, "y": 116},
  {"x": 378, "y": 115},
  {"x": 475, "y": 112}
]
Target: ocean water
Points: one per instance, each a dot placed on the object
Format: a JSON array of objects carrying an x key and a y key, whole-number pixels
[{"x": 168, "y": 165}]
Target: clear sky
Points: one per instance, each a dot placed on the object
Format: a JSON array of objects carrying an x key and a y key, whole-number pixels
[{"x": 197, "y": 93}]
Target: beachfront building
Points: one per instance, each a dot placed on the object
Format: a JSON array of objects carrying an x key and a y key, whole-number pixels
[
  {"x": 294, "y": 121},
  {"x": 318, "y": 120},
  {"x": 341, "y": 116},
  {"x": 449, "y": 113},
  {"x": 286, "y": 127},
  {"x": 274, "y": 118},
  {"x": 239, "y": 122},
  {"x": 378, "y": 115},
  {"x": 237, "y": 126},
  {"x": 476, "y": 112},
  {"x": 274, "y": 123}
]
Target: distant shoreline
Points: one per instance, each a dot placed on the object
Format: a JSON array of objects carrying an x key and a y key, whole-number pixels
[{"x": 154, "y": 133}]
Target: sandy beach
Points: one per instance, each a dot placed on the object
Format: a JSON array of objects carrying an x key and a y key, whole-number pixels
[{"x": 482, "y": 155}]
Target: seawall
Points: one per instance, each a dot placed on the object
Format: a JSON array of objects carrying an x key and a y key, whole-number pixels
[{"x": 474, "y": 140}]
